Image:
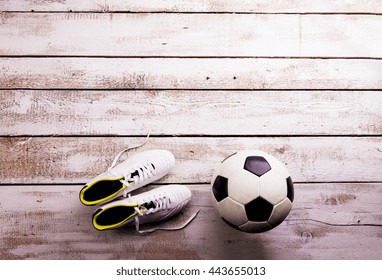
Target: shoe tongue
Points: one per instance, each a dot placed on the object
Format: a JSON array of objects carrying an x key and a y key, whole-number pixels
[
  {"x": 132, "y": 176},
  {"x": 153, "y": 206},
  {"x": 135, "y": 173},
  {"x": 149, "y": 205}
]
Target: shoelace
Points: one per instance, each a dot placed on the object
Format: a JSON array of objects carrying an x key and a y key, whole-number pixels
[
  {"x": 146, "y": 170},
  {"x": 138, "y": 173},
  {"x": 159, "y": 204},
  {"x": 117, "y": 157}
]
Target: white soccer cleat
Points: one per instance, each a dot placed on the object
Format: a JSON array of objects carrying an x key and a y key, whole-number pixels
[
  {"x": 153, "y": 206},
  {"x": 136, "y": 171}
]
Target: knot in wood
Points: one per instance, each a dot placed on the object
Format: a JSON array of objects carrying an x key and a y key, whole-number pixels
[{"x": 306, "y": 236}]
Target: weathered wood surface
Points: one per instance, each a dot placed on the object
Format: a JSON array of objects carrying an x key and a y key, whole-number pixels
[
  {"x": 125, "y": 113},
  {"x": 47, "y": 160},
  {"x": 191, "y": 35},
  {"x": 301, "y": 80},
  {"x": 328, "y": 221},
  {"x": 189, "y": 73},
  {"x": 197, "y": 6}
]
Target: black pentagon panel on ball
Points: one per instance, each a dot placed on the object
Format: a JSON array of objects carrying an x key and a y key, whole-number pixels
[
  {"x": 258, "y": 210},
  {"x": 257, "y": 165},
  {"x": 290, "y": 189},
  {"x": 220, "y": 188}
]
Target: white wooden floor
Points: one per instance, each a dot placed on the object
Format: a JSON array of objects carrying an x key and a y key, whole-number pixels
[{"x": 82, "y": 80}]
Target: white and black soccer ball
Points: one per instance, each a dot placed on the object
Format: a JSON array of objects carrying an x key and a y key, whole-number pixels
[{"x": 252, "y": 191}]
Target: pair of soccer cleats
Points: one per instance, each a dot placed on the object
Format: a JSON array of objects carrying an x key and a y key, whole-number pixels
[{"x": 112, "y": 192}]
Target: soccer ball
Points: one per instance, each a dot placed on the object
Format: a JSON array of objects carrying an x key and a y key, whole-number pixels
[{"x": 252, "y": 191}]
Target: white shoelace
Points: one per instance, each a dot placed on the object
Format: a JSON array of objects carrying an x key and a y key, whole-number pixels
[
  {"x": 117, "y": 157},
  {"x": 165, "y": 228},
  {"x": 159, "y": 204},
  {"x": 144, "y": 171},
  {"x": 138, "y": 174}
]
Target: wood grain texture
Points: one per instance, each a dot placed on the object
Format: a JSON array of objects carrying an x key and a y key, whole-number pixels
[
  {"x": 37, "y": 160},
  {"x": 245, "y": 113},
  {"x": 195, "y": 35},
  {"x": 209, "y": 6},
  {"x": 82, "y": 80},
  {"x": 45, "y": 222},
  {"x": 188, "y": 73}
]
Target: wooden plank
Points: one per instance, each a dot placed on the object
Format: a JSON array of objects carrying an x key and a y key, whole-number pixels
[
  {"x": 48, "y": 222},
  {"x": 37, "y": 160},
  {"x": 189, "y": 73},
  {"x": 213, "y": 6},
  {"x": 207, "y": 35},
  {"x": 126, "y": 113}
]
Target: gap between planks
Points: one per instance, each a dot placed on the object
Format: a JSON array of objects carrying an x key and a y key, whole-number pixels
[
  {"x": 39, "y": 11},
  {"x": 207, "y": 6}
]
